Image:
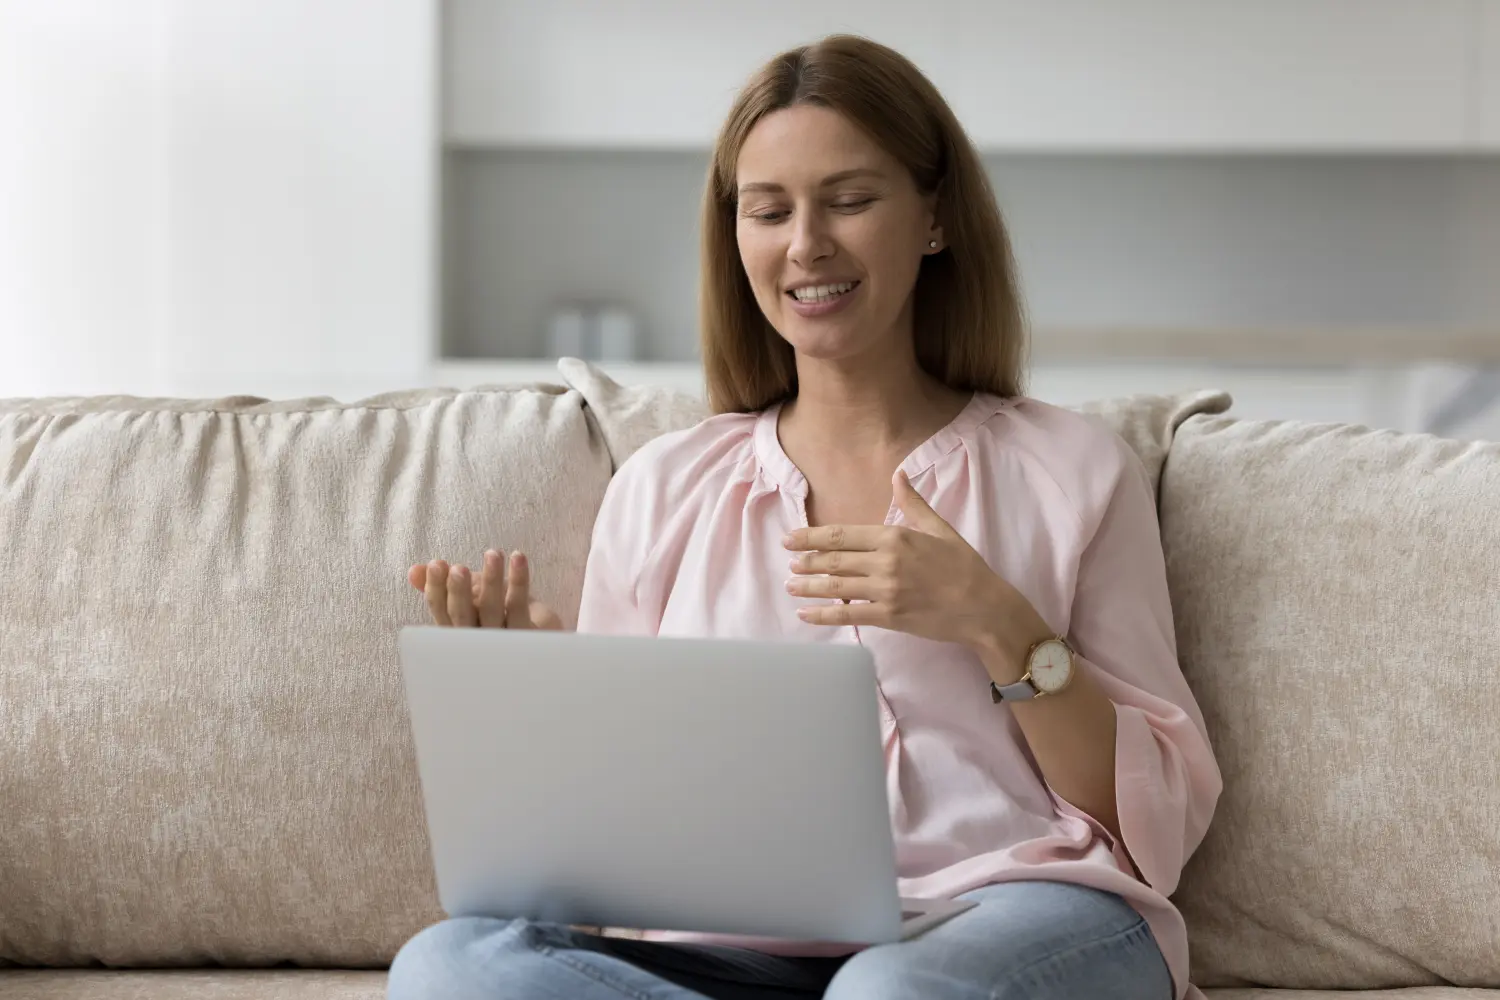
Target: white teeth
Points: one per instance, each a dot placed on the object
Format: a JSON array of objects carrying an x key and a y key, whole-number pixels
[{"x": 821, "y": 293}]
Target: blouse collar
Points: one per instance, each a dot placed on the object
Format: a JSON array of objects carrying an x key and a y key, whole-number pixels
[{"x": 785, "y": 474}]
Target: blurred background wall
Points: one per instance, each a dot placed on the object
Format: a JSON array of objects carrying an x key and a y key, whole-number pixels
[{"x": 1297, "y": 200}]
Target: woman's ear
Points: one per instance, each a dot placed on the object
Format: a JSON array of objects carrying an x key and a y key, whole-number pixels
[{"x": 934, "y": 241}]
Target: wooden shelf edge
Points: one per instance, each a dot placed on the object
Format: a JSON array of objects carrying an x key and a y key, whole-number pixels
[{"x": 1288, "y": 348}]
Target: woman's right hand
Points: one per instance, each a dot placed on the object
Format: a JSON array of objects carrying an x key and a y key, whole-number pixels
[{"x": 496, "y": 599}]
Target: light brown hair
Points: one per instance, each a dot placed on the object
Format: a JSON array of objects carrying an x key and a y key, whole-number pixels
[{"x": 967, "y": 319}]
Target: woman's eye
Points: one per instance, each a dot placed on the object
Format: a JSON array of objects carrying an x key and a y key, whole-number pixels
[{"x": 854, "y": 203}]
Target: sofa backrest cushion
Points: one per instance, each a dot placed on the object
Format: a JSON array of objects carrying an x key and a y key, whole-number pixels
[
  {"x": 1337, "y": 598},
  {"x": 206, "y": 757}
]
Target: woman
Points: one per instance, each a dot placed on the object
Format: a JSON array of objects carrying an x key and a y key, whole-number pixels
[{"x": 874, "y": 476}]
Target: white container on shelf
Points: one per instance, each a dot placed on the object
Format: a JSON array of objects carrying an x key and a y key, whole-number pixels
[
  {"x": 569, "y": 333},
  {"x": 615, "y": 329},
  {"x": 593, "y": 331}
]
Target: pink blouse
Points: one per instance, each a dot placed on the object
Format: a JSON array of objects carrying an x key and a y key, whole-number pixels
[{"x": 688, "y": 543}]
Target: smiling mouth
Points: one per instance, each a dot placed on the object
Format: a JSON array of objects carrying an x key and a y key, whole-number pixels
[{"x": 812, "y": 294}]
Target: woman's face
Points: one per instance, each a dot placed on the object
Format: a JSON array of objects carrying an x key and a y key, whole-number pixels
[{"x": 831, "y": 231}]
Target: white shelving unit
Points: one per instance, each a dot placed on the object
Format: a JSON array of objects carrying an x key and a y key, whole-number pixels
[
  {"x": 655, "y": 74},
  {"x": 1077, "y": 75},
  {"x": 529, "y": 96},
  {"x": 1178, "y": 75}
]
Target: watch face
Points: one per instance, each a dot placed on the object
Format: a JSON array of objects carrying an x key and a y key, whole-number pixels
[{"x": 1051, "y": 666}]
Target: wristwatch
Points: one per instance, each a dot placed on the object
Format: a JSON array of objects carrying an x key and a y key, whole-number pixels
[{"x": 1049, "y": 669}]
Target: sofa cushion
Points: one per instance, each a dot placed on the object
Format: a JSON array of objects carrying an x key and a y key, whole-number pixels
[
  {"x": 1337, "y": 598},
  {"x": 627, "y": 416},
  {"x": 218, "y": 984},
  {"x": 206, "y": 753},
  {"x": 1149, "y": 423}
]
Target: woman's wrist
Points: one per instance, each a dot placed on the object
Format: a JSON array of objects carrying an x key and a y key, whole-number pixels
[{"x": 1007, "y": 631}]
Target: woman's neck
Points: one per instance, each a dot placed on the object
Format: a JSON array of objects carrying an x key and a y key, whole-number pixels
[{"x": 871, "y": 405}]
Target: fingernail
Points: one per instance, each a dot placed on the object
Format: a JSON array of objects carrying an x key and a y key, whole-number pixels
[
  {"x": 791, "y": 586},
  {"x": 786, "y": 541},
  {"x": 804, "y": 613},
  {"x": 794, "y": 563}
]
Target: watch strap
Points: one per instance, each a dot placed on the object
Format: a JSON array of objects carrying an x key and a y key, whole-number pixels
[{"x": 1021, "y": 690}]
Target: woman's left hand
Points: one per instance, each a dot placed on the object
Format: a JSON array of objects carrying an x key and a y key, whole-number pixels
[{"x": 924, "y": 580}]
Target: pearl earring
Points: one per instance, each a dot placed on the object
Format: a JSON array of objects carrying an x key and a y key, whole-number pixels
[{"x": 932, "y": 244}]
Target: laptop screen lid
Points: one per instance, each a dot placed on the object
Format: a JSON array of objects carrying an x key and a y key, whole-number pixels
[{"x": 722, "y": 786}]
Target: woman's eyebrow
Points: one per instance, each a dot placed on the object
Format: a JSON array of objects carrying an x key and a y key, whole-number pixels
[{"x": 842, "y": 175}]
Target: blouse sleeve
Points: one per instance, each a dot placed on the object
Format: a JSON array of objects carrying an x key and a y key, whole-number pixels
[
  {"x": 1166, "y": 779},
  {"x": 611, "y": 602}
]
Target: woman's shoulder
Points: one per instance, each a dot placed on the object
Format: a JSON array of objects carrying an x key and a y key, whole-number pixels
[
  {"x": 1066, "y": 434},
  {"x": 691, "y": 456},
  {"x": 1078, "y": 451}
]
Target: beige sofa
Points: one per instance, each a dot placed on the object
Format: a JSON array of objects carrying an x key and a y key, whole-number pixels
[{"x": 206, "y": 778}]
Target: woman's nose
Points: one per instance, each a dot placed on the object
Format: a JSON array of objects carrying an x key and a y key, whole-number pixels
[{"x": 811, "y": 241}]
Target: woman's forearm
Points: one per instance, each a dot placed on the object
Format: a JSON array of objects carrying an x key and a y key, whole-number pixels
[
  {"x": 1072, "y": 737},
  {"x": 1071, "y": 734}
]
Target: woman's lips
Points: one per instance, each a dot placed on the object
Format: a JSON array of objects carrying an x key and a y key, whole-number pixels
[{"x": 824, "y": 305}]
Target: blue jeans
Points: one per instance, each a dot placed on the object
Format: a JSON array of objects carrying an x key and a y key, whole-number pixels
[{"x": 1032, "y": 940}]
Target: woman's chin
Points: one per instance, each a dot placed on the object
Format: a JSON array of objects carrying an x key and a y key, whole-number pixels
[{"x": 826, "y": 342}]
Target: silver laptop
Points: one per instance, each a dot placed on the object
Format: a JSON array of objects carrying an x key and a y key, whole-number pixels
[{"x": 670, "y": 784}]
